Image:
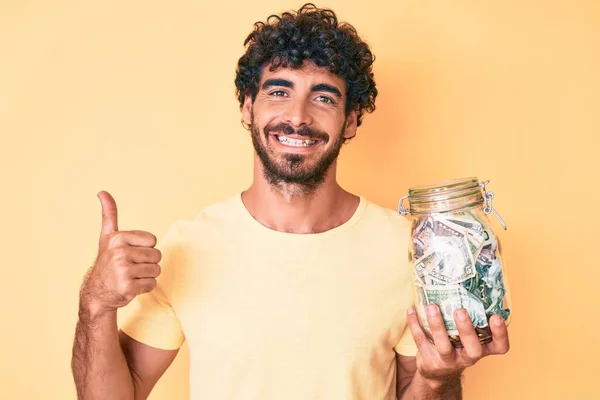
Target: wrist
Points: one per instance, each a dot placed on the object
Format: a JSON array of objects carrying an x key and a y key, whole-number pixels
[
  {"x": 441, "y": 384},
  {"x": 92, "y": 311}
]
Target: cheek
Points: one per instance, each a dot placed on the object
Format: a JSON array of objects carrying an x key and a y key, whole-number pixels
[
  {"x": 331, "y": 116},
  {"x": 266, "y": 110}
]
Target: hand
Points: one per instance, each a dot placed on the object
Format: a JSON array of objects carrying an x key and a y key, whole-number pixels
[
  {"x": 127, "y": 264},
  {"x": 439, "y": 361}
]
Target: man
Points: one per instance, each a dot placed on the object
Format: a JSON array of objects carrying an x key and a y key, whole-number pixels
[{"x": 291, "y": 289}]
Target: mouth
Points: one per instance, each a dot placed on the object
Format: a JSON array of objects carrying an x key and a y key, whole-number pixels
[{"x": 293, "y": 142}]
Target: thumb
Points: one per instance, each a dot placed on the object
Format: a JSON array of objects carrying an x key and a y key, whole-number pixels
[{"x": 109, "y": 213}]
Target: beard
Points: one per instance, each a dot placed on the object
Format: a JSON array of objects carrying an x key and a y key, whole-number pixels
[{"x": 292, "y": 171}]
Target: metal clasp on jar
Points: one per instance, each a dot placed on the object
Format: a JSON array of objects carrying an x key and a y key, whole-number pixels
[
  {"x": 401, "y": 210},
  {"x": 487, "y": 208}
]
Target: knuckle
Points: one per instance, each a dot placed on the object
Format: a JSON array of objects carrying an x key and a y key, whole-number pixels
[
  {"x": 119, "y": 253},
  {"x": 125, "y": 287},
  {"x": 146, "y": 238},
  {"x": 148, "y": 286},
  {"x": 420, "y": 339},
  {"x": 476, "y": 354},
  {"x": 114, "y": 239},
  {"x": 122, "y": 271},
  {"x": 446, "y": 351}
]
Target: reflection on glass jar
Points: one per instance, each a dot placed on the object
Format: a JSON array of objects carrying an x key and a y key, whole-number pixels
[{"x": 456, "y": 256}]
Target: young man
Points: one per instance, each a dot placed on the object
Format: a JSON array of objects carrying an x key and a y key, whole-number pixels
[{"x": 291, "y": 289}]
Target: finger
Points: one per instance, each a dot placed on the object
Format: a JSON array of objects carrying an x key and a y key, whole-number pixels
[
  {"x": 109, "y": 213},
  {"x": 145, "y": 270},
  {"x": 141, "y": 255},
  {"x": 144, "y": 285},
  {"x": 423, "y": 344},
  {"x": 438, "y": 331},
  {"x": 472, "y": 348},
  {"x": 132, "y": 238},
  {"x": 500, "y": 343}
]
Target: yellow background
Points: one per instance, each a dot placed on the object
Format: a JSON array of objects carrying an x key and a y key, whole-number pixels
[{"x": 137, "y": 98}]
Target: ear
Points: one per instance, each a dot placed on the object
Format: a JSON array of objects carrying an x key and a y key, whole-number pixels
[
  {"x": 247, "y": 110},
  {"x": 351, "y": 125}
]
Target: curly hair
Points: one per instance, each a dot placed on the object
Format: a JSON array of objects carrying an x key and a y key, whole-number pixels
[{"x": 309, "y": 34}]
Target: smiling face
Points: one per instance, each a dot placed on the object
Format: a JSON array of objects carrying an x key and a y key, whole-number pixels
[{"x": 298, "y": 124}]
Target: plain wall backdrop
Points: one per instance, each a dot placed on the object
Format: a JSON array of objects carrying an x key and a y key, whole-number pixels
[{"x": 137, "y": 98}]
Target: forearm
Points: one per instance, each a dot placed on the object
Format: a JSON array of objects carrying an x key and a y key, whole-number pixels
[
  {"x": 423, "y": 389},
  {"x": 99, "y": 367}
]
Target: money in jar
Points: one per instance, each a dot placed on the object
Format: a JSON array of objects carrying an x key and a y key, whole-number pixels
[{"x": 455, "y": 255}]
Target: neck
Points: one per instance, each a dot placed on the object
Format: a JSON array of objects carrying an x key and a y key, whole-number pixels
[{"x": 289, "y": 208}]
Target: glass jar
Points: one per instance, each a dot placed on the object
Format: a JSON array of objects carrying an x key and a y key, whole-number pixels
[{"x": 456, "y": 255}]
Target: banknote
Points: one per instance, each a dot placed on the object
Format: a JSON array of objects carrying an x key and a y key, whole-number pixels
[
  {"x": 486, "y": 256},
  {"x": 456, "y": 262},
  {"x": 422, "y": 236},
  {"x": 475, "y": 239},
  {"x": 456, "y": 265},
  {"x": 424, "y": 265},
  {"x": 450, "y": 298},
  {"x": 474, "y": 227},
  {"x": 468, "y": 215},
  {"x": 490, "y": 240},
  {"x": 421, "y": 306}
]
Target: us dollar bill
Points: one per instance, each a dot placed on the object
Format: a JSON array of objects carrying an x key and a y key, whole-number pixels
[
  {"x": 456, "y": 262},
  {"x": 424, "y": 265},
  {"x": 455, "y": 257},
  {"x": 422, "y": 236},
  {"x": 475, "y": 239},
  {"x": 421, "y": 306},
  {"x": 452, "y": 297}
]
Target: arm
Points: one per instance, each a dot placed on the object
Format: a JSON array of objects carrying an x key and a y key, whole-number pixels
[
  {"x": 411, "y": 384},
  {"x": 98, "y": 364},
  {"x": 107, "y": 364},
  {"x": 146, "y": 364}
]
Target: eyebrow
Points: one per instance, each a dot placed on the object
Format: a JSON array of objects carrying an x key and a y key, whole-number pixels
[
  {"x": 277, "y": 82},
  {"x": 324, "y": 87},
  {"x": 321, "y": 87}
]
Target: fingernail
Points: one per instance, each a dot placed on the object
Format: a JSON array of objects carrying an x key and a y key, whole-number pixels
[
  {"x": 411, "y": 310},
  {"x": 462, "y": 315},
  {"x": 431, "y": 310},
  {"x": 498, "y": 321}
]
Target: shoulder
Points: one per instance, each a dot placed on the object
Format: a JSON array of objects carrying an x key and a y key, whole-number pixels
[
  {"x": 385, "y": 218},
  {"x": 212, "y": 219}
]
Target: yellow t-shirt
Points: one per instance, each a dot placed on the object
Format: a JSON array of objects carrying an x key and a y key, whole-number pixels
[{"x": 272, "y": 315}]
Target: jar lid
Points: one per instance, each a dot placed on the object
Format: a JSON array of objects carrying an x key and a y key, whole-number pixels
[
  {"x": 450, "y": 186},
  {"x": 449, "y": 196},
  {"x": 445, "y": 196}
]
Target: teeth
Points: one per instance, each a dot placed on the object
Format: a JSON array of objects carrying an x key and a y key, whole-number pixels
[{"x": 295, "y": 142}]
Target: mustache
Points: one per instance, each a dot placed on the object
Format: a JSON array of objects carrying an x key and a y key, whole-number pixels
[{"x": 304, "y": 131}]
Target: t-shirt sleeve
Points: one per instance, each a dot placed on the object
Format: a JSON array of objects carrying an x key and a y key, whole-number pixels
[
  {"x": 406, "y": 346},
  {"x": 152, "y": 319}
]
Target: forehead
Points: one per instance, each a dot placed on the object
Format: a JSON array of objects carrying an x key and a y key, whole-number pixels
[{"x": 308, "y": 74}]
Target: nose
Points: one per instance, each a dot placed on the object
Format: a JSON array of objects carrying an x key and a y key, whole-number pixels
[{"x": 298, "y": 114}]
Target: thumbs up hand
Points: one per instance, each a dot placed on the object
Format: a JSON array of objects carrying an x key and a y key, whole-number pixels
[{"x": 127, "y": 264}]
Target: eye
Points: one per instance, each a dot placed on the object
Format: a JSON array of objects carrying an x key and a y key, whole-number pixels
[
  {"x": 278, "y": 93},
  {"x": 325, "y": 99}
]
